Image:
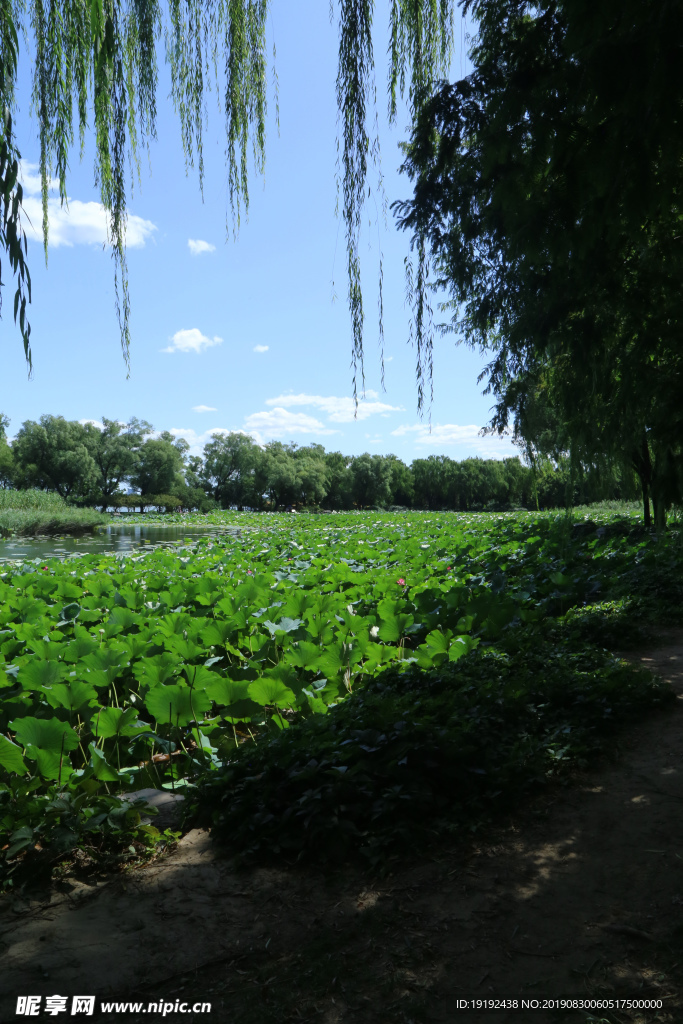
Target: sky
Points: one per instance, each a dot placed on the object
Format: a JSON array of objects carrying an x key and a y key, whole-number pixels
[{"x": 251, "y": 333}]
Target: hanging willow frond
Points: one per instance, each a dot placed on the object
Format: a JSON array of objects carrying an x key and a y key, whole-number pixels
[
  {"x": 12, "y": 235},
  {"x": 106, "y": 50},
  {"x": 421, "y": 36}
]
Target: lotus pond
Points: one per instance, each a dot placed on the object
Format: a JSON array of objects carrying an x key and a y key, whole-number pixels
[{"x": 318, "y": 683}]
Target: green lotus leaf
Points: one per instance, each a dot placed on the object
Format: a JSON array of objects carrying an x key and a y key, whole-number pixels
[
  {"x": 50, "y": 763},
  {"x": 119, "y": 620},
  {"x": 78, "y": 648},
  {"x": 72, "y": 695},
  {"x": 101, "y": 768},
  {"x": 393, "y": 627},
  {"x": 224, "y": 690},
  {"x": 177, "y": 704},
  {"x": 304, "y": 654},
  {"x": 69, "y": 590},
  {"x": 110, "y": 722},
  {"x": 70, "y": 612},
  {"x": 199, "y": 677},
  {"x": 104, "y": 664},
  {"x": 35, "y": 674},
  {"x": 11, "y": 758},
  {"x": 46, "y": 650},
  {"x": 218, "y": 633},
  {"x": 156, "y": 670},
  {"x": 267, "y": 690},
  {"x": 241, "y": 711},
  {"x": 48, "y": 734},
  {"x": 460, "y": 646}
]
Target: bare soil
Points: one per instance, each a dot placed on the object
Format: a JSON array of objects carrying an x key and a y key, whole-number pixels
[{"x": 580, "y": 894}]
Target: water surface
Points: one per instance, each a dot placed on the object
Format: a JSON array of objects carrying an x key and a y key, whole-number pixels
[{"x": 115, "y": 539}]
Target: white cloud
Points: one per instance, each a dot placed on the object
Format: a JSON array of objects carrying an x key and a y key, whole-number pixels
[
  {"x": 451, "y": 434},
  {"x": 204, "y": 408},
  {"x": 261, "y": 348},
  {"x": 78, "y": 223},
  {"x": 197, "y": 246},
  {"x": 197, "y": 441},
  {"x": 338, "y": 410},
  {"x": 191, "y": 341},
  {"x": 280, "y": 422},
  {"x": 29, "y": 175},
  {"x": 269, "y": 425}
]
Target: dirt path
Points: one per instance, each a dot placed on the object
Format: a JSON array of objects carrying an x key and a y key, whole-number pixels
[{"x": 581, "y": 896}]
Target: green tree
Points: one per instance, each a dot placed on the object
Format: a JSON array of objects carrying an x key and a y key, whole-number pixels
[
  {"x": 401, "y": 484},
  {"x": 312, "y": 474},
  {"x": 547, "y": 193},
  {"x": 228, "y": 474},
  {"x": 282, "y": 481},
  {"x": 428, "y": 482},
  {"x": 54, "y": 455},
  {"x": 6, "y": 458},
  {"x": 115, "y": 450},
  {"x": 370, "y": 480},
  {"x": 159, "y": 465},
  {"x": 338, "y": 480}
]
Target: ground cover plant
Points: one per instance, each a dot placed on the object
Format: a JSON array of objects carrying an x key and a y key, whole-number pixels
[
  {"x": 31, "y": 513},
  {"x": 375, "y": 671}
]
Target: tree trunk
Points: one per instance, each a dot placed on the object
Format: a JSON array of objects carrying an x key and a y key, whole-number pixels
[
  {"x": 647, "y": 519},
  {"x": 642, "y": 463},
  {"x": 660, "y": 512}
]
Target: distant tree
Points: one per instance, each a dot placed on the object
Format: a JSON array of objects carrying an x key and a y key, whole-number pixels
[
  {"x": 401, "y": 483},
  {"x": 54, "y": 455},
  {"x": 312, "y": 473},
  {"x": 338, "y": 480},
  {"x": 312, "y": 476},
  {"x": 194, "y": 471},
  {"x": 429, "y": 482},
  {"x": 115, "y": 451},
  {"x": 168, "y": 502},
  {"x": 283, "y": 483},
  {"x": 230, "y": 462},
  {"x": 159, "y": 466},
  {"x": 519, "y": 482},
  {"x": 370, "y": 480},
  {"x": 6, "y": 458}
]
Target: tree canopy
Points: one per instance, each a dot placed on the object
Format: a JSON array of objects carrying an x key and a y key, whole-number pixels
[
  {"x": 101, "y": 57},
  {"x": 547, "y": 194}
]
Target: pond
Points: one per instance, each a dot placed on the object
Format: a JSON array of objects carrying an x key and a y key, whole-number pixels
[{"x": 116, "y": 539}]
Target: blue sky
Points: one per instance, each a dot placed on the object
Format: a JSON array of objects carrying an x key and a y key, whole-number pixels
[{"x": 249, "y": 334}]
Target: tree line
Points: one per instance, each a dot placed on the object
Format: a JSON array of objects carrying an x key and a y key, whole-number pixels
[{"x": 127, "y": 465}]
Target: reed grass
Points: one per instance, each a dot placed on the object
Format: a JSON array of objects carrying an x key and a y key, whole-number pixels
[{"x": 33, "y": 513}]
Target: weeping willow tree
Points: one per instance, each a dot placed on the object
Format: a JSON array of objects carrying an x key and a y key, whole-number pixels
[{"x": 100, "y": 58}]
